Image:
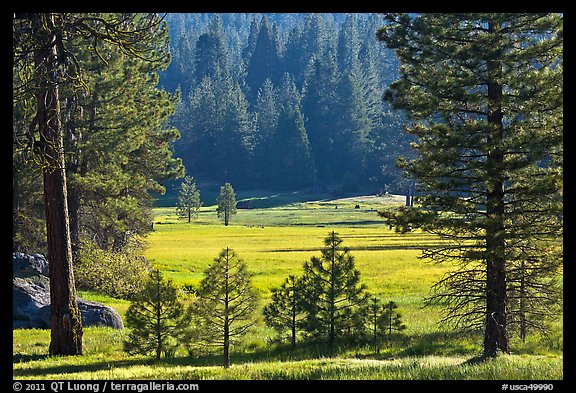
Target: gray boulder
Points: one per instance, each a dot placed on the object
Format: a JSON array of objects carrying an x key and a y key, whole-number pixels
[
  {"x": 97, "y": 314},
  {"x": 30, "y": 303},
  {"x": 31, "y": 299},
  {"x": 29, "y": 264}
]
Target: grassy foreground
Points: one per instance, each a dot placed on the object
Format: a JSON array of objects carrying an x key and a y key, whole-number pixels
[
  {"x": 104, "y": 359},
  {"x": 275, "y": 242}
]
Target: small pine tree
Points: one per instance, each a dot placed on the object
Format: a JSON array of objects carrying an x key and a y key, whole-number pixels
[
  {"x": 188, "y": 199},
  {"x": 226, "y": 203},
  {"x": 155, "y": 317},
  {"x": 390, "y": 320},
  {"x": 333, "y": 290},
  {"x": 225, "y": 303},
  {"x": 382, "y": 319},
  {"x": 374, "y": 310},
  {"x": 286, "y": 310}
]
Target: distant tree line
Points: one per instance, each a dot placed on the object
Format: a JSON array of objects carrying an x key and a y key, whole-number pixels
[{"x": 284, "y": 101}]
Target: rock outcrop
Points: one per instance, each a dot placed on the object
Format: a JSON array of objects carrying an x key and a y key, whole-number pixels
[{"x": 31, "y": 297}]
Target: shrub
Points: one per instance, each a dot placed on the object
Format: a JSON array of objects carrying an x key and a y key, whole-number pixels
[{"x": 117, "y": 274}]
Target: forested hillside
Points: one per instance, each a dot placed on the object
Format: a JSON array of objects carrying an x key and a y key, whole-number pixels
[{"x": 284, "y": 101}]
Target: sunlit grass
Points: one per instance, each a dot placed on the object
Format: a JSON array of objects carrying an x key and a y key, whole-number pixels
[
  {"x": 104, "y": 359},
  {"x": 275, "y": 242}
]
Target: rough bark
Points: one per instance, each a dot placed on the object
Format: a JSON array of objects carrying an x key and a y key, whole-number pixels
[{"x": 65, "y": 318}]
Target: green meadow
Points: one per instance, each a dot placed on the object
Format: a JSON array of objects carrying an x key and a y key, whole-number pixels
[{"x": 275, "y": 238}]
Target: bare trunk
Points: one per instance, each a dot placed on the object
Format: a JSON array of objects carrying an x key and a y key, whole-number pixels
[
  {"x": 65, "y": 318},
  {"x": 331, "y": 295}
]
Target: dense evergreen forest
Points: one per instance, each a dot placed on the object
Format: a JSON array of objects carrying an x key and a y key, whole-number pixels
[{"x": 284, "y": 101}]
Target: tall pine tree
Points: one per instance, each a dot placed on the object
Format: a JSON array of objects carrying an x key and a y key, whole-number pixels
[
  {"x": 265, "y": 62},
  {"x": 292, "y": 166},
  {"x": 44, "y": 46},
  {"x": 484, "y": 92}
]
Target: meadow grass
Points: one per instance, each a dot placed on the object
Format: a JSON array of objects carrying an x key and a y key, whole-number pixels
[
  {"x": 104, "y": 359},
  {"x": 275, "y": 242}
]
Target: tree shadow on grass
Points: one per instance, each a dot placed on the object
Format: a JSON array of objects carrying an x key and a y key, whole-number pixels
[
  {"x": 274, "y": 353},
  {"x": 436, "y": 344},
  {"x": 20, "y": 358},
  {"x": 81, "y": 367},
  {"x": 400, "y": 346},
  {"x": 442, "y": 343}
]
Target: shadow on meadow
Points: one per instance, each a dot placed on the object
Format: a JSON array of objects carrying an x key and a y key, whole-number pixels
[
  {"x": 401, "y": 346},
  {"x": 81, "y": 367}
]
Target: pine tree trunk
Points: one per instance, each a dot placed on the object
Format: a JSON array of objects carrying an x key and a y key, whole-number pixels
[
  {"x": 496, "y": 332},
  {"x": 65, "y": 318},
  {"x": 226, "y": 321},
  {"x": 294, "y": 320},
  {"x": 15, "y": 208},
  {"x": 523, "y": 302},
  {"x": 158, "y": 326},
  {"x": 375, "y": 331},
  {"x": 70, "y": 144},
  {"x": 331, "y": 295}
]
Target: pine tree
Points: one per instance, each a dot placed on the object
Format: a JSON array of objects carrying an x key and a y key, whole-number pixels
[
  {"x": 306, "y": 41},
  {"x": 265, "y": 62},
  {"x": 211, "y": 57},
  {"x": 266, "y": 124},
  {"x": 234, "y": 147},
  {"x": 484, "y": 93},
  {"x": 65, "y": 320},
  {"x": 156, "y": 318},
  {"x": 119, "y": 151},
  {"x": 200, "y": 122},
  {"x": 252, "y": 38},
  {"x": 318, "y": 98},
  {"x": 285, "y": 311},
  {"x": 333, "y": 290},
  {"x": 226, "y": 203},
  {"x": 216, "y": 131},
  {"x": 348, "y": 46},
  {"x": 352, "y": 125},
  {"x": 188, "y": 199},
  {"x": 391, "y": 320},
  {"x": 293, "y": 165},
  {"x": 374, "y": 310},
  {"x": 225, "y": 303}
]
